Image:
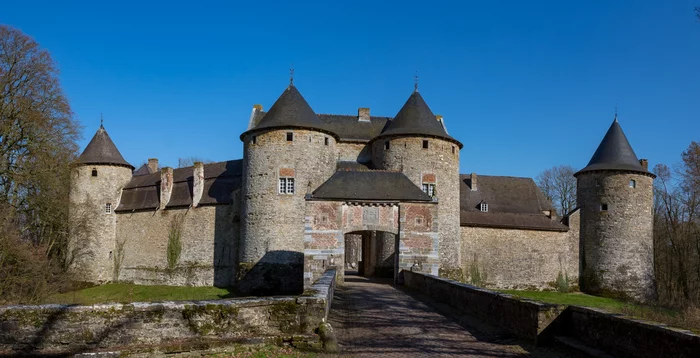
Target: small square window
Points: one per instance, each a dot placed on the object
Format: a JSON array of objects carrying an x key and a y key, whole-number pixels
[
  {"x": 325, "y": 141},
  {"x": 286, "y": 185},
  {"x": 425, "y": 144},
  {"x": 94, "y": 172},
  {"x": 386, "y": 145},
  {"x": 290, "y": 136},
  {"x": 108, "y": 208},
  {"x": 484, "y": 207},
  {"x": 633, "y": 183},
  {"x": 603, "y": 207}
]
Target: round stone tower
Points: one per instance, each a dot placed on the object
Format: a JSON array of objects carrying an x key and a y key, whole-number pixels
[
  {"x": 416, "y": 143},
  {"x": 615, "y": 196},
  {"x": 96, "y": 182},
  {"x": 286, "y": 155}
]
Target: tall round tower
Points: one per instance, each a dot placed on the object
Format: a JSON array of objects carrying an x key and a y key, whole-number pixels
[
  {"x": 96, "y": 182},
  {"x": 416, "y": 143},
  {"x": 286, "y": 155},
  {"x": 615, "y": 195}
]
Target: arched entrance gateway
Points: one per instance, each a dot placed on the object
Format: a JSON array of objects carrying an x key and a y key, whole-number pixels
[{"x": 367, "y": 203}]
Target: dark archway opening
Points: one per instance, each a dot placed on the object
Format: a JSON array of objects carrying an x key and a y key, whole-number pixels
[{"x": 370, "y": 254}]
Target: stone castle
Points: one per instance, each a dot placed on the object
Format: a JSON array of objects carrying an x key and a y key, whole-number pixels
[{"x": 378, "y": 194}]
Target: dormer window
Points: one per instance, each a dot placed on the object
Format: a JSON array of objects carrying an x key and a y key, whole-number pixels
[
  {"x": 94, "y": 172},
  {"x": 484, "y": 207}
]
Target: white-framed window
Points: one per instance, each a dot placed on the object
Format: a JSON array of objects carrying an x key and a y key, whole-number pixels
[
  {"x": 429, "y": 189},
  {"x": 633, "y": 183},
  {"x": 286, "y": 186},
  {"x": 484, "y": 207},
  {"x": 108, "y": 208}
]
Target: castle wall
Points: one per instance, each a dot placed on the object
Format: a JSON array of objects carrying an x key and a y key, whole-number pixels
[
  {"x": 272, "y": 254},
  {"x": 92, "y": 228},
  {"x": 520, "y": 259},
  {"x": 439, "y": 163},
  {"x": 209, "y": 239},
  {"x": 617, "y": 244},
  {"x": 359, "y": 152}
]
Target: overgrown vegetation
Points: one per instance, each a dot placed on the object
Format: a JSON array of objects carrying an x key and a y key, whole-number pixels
[
  {"x": 174, "y": 249},
  {"x": 37, "y": 144},
  {"x": 477, "y": 276},
  {"x": 126, "y": 293},
  {"x": 118, "y": 258}
]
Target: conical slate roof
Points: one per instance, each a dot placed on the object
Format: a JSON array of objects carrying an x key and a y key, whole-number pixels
[
  {"x": 614, "y": 153},
  {"x": 290, "y": 111},
  {"x": 416, "y": 118},
  {"x": 101, "y": 150}
]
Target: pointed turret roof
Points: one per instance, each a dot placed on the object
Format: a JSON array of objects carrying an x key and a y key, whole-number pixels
[
  {"x": 290, "y": 111},
  {"x": 416, "y": 118},
  {"x": 614, "y": 153},
  {"x": 101, "y": 150}
]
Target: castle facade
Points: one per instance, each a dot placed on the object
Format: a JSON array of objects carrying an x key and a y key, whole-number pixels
[{"x": 376, "y": 194}]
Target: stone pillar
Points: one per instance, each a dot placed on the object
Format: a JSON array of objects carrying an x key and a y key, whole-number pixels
[{"x": 385, "y": 254}]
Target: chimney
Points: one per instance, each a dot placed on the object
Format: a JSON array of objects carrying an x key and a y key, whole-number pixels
[
  {"x": 166, "y": 186},
  {"x": 473, "y": 181},
  {"x": 363, "y": 114},
  {"x": 644, "y": 163},
  {"x": 252, "y": 121},
  {"x": 153, "y": 165},
  {"x": 258, "y": 107},
  {"x": 198, "y": 183}
]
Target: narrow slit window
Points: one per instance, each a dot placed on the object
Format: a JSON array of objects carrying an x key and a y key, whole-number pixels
[
  {"x": 425, "y": 144},
  {"x": 386, "y": 145},
  {"x": 325, "y": 141},
  {"x": 633, "y": 183},
  {"x": 108, "y": 208},
  {"x": 255, "y": 139},
  {"x": 290, "y": 136},
  {"x": 94, "y": 172},
  {"x": 453, "y": 149},
  {"x": 309, "y": 138}
]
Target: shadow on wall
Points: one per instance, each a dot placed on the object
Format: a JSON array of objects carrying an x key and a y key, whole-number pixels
[
  {"x": 277, "y": 273},
  {"x": 223, "y": 191}
]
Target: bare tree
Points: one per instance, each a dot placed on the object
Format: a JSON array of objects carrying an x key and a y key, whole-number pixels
[
  {"x": 189, "y": 161},
  {"x": 559, "y": 186},
  {"x": 37, "y": 144}
]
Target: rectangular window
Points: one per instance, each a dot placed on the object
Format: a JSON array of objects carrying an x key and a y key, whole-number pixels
[
  {"x": 429, "y": 189},
  {"x": 255, "y": 139},
  {"x": 386, "y": 145},
  {"x": 94, "y": 172},
  {"x": 286, "y": 186},
  {"x": 453, "y": 149},
  {"x": 425, "y": 144},
  {"x": 484, "y": 207},
  {"x": 108, "y": 208},
  {"x": 603, "y": 207},
  {"x": 633, "y": 183},
  {"x": 325, "y": 140},
  {"x": 290, "y": 136}
]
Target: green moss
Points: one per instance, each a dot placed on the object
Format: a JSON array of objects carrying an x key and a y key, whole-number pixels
[
  {"x": 25, "y": 317},
  {"x": 121, "y": 292},
  {"x": 211, "y": 318}
]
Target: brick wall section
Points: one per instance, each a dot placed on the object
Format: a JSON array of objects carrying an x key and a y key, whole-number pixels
[
  {"x": 617, "y": 244},
  {"x": 521, "y": 259},
  {"x": 408, "y": 156},
  {"x": 92, "y": 228},
  {"x": 30, "y": 330},
  {"x": 209, "y": 246},
  {"x": 271, "y": 223}
]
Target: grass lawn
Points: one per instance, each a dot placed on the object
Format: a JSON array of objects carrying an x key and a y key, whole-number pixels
[
  {"x": 688, "y": 318},
  {"x": 125, "y": 293}
]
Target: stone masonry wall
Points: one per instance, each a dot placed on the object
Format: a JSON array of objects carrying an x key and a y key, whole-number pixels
[
  {"x": 66, "y": 329},
  {"x": 354, "y": 152},
  {"x": 209, "y": 241},
  {"x": 92, "y": 229},
  {"x": 520, "y": 259},
  {"x": 272, "y": 224},
  {"x": 439, "y": 163},
  {"x": 617, "y": 244}
]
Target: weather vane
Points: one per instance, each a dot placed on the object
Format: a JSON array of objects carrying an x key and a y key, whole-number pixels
[
  {"x": 102, "y": 120},
  {"x": 615, "y": 112},
  {"x": 291, "y": 75},
  {"x": 415, "y": 82}
]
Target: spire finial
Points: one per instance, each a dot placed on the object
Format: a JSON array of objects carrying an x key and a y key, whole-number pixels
[
  {"x": 102, "y": 121},
  {"x": 415, "y": 82},
  {"x": 615, "y": 112},
  {"x": 291, "y": 74}
]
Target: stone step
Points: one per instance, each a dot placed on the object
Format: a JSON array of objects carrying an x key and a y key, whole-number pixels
[{"x": 579, "y": 349}]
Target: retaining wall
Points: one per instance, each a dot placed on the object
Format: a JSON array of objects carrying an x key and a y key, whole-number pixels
[
  {"x": 617, "y": 334},
  {"x": 74, "y": 329}
]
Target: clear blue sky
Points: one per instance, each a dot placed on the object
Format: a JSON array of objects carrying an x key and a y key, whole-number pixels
[{"x": 524, "y": 85}]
